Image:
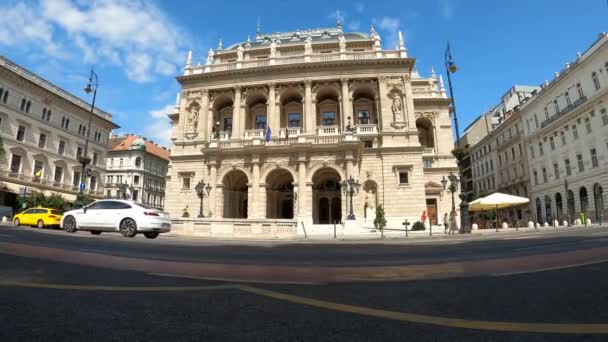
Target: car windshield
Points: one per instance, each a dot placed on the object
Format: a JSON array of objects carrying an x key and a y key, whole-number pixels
[{"x": 56, "y": 212}]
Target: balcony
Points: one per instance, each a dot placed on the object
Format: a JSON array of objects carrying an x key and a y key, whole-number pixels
[
  {"x": 328, "y": 130},
  {"x": 254, "y": 133},
  {"x": 294, "y": 59},
  {"x": 428, "y": 151},
  {"x": 224, "y": 135},
  {"x": 36, "y": 182},
  {"x": 291, "y": 132},
  {"x": 564, "y": 111},
  {"x": 368, "y": 129}
]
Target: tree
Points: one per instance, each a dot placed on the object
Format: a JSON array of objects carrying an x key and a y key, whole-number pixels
[
  {"x": 380, "y": 221},
  {"x": 56, "y": 201},
  {"x": 418, "y": 225}
]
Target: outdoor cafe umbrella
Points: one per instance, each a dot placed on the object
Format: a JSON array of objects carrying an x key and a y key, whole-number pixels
[{"x": 497, "y": 201}]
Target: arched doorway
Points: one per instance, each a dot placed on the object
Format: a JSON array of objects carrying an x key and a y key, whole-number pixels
[
  {"x": 279, "y": 194},
  {"x": 326, "y": 197},
  {"x": 539, "y": 211},
  {"x": 548, "y": 212},
  {"x": 598, "y": 199},
  {"x": 559, "y": 206},
  {"x": 570, "y": 201},
  {"x": 235, "y": 194},
  {"x": 425, "y": 132},
  {"x": 584, "y": 200}
]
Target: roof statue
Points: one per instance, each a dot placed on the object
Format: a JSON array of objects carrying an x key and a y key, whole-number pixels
[
  {"x": 219, "y": 44},
  {"x": 210, "y": 55}
]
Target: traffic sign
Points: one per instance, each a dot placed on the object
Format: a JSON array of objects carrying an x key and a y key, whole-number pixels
[{"x": 82, "y": 186}]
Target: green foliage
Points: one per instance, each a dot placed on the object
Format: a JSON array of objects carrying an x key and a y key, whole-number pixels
[
  {"x": 39, "y": 199},
  {"x": 380, "y": 220},
  {"x": 488, "y": 215},
  {"x": 418, "y": 225},
  {"x": 460, "y": 152}
]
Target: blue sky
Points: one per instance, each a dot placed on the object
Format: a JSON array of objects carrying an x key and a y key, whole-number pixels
[{"x": 138, "y": 47}]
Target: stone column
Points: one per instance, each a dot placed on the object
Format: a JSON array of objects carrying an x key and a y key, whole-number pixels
[
  {"x": 254, "y": 205},
  {"x": 236, "y": 113},
  {"x": 378, "y": 110},
  {"x": 408, "y": 103},
  {"x": 212, "y": 200},
  {"x": 385, "y": 115},
  {"x": 183, "y": 117},
  {"x": 202, "y": 124},
  {"x": 271, "y": 108},
  {"x": 346, "y": 108},
  {"x": 308, "y": 126},
  {"x": 301, "y": 186},
  {"x": 210, "y": 122},
  {"x": 276, "y": 119}
]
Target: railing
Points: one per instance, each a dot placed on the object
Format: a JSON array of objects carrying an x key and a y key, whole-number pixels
[
  {"x": 45, "y": 183},
  {"x": 254, "y": 133},
  {"x": 367, "y": 129},
  {"x": 328, "y": 130},
  {"x": 428, "y": 150},
  {"x": 224, "y": 135},
  {"x": 564, "y": 111},
  {"x": 293, "y": 132},
  {"x": 303, "y": 58}
]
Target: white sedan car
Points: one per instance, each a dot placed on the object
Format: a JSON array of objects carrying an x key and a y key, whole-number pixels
[{"x": 126, "y": 217}]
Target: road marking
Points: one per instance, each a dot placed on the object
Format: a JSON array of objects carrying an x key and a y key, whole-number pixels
[
  {"x": 594, "y": 262},
  {"x": 116, "y": 288},
  {"x": 522, "y": 237},
  {"x": 278, "y": 282},
  {"x": 558, "y": 328}
]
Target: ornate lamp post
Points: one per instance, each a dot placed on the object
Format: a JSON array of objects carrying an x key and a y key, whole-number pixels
[
  {"x": 84, "y": 159},
  {"x": 202, "y": 189},
  {"x": 451, "y": 68},
  {"x": 351, "y": 187},
  {"x": 452, "y": 189}
]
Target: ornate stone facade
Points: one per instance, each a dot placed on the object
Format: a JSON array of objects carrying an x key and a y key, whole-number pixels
[{"x": 285, "y": 119}]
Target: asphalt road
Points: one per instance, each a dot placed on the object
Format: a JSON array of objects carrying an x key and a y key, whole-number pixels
[{"x": 42, "y": 299}]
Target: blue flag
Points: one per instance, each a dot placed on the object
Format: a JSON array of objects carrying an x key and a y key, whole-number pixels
[{"x": 267, "y": 133}]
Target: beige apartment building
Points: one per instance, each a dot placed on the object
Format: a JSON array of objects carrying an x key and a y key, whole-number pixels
[
  {"x": 276, "y": 124},
  {"x": 43, "y": 130},
  {"x": 566, "y": 130}
]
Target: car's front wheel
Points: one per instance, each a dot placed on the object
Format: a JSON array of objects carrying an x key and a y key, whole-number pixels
[
  {"x": 17, "y": 222},
  {"x": 40, "y": 224},
  {"x": 151, "y": 235},
  {"x": 128, "y": 228},
  {"x": 69, "y": 224}
]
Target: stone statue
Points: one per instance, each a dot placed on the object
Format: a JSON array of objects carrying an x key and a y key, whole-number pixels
[
  {"x": 308, "y": 46},
  {"x": 210, "y": 55},
  {"x": 273, "y": 49},
  {"x": 239, "y": 53},
  {"x": 397, "y": 108},
  {"x": 370, "y": 206},
  {"x": 342, "y": 42},
  {"x": 193, "y": 119}
]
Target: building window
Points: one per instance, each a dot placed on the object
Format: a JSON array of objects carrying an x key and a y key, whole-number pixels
[
  {"x": 546, "y": 113},
  {"x": 520, "y": 149},
  {"x": 540, "y": 149},
  {"x": 186, "y": 183},
  {"x": 15, "y": 163},
  {"x": 594, "y": 162},
  {"x": 76, "y": 178},
  {"x": 93, "y": 183},
  {"x": 21, "y": 133},
  {"x": 38, "y": 168},
  {"x": 427, "y": 163},
  {"x": 588, "y": 125},
  {"x": 120, "y": 161},
  {"x": 544, "y": 175},
  {"x": 581, "y": 94},
  {"x": 46, "y": 114},
  {"x": 22, "y": 106},
  {"x": 604, "y": 116},
  {"x": 95, "y": 156},
  {"x": 532, "y": 151},
  {"x": 61, "y": 149},
  {"x": 363, "y": 117},
  {"x": 293, "y": 120},
  {"x": 568, "y": 168},
  {"x": 552, "y": 143},
  {"x": 134, "y": 195},
  {"x": 556, "y": 170},
  {"x": 574, "y": 132},
  {"x": 228, "y": 124},
  {"x": 568, "y": 102},
  {"x": 329, "y": 118},
  {"x": 579, "y": 160},
  {"x": 563, "y": 136},
  {"x": 78, "y": 152},
  {"x": 596, "y": 81},
  {"x": 137, "y": 162},
  {"x": 42, "y": 140},
  {"x": 260, "y": 122},
  {"x": 513, "y": 153},
  {"x": 403, "y": 178},
  {"x": 491, "y": 164},
  {"x": 368, "y": 144},
  {"x": 535, "y": 177},
  {"x": 536, "y": 120},
  {"x": 58, "y": 177},
  {"x": 136, "y": 180},
  {"x": 5, "y": 97},
  {"x": 500, "y": 159}
]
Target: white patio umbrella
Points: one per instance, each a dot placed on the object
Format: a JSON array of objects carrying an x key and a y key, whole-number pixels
[{"x": 497, "y": 201}]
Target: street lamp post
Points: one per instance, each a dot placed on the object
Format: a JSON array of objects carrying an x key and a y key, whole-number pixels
[
  {"x": 567, "y": 202},
  {"x": 202, "y": 189},
  {"x": 351, "y": 187},
  {"x": 452, "y": 189},
  {"x": 84, "y": 160},
  {"x": 451, "y": 68}
]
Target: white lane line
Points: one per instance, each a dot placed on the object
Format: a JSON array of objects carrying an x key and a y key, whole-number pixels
[
  {"x": 235, "y": 280},
  {"x": 523, "y": 237},
  {"x": 600, "y": 233},
  {"x": 587, "y": 263}
]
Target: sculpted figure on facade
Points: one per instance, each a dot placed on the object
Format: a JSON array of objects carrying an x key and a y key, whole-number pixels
[
  {"x": 193, "y": 117},
  {"x": 239, "y": 53},
  {"x": 210, "y": 56},
  {"x": 370, "y": 206},
  {"x": 308, "y": 45},
  {"x": 342, "y": 42},
  {"x": 397, "y": 108},
  {"x": 273, "y": 49}
]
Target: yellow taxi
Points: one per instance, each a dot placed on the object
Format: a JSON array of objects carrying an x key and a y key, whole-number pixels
[{"x": 39, "y": 217}]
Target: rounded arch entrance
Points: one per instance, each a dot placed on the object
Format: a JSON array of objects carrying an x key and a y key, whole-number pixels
[
  {"x": 425, "y": 132},
  {"x": 548, "y": 212},
  {"x": 234, "y": 190},
  {"x": 326, "y": 196},
  {"x": 559, "y": 206},
  {"x": 598, "y": 199},
  {"x": 584, "y": 200},
  {"x": 570, "y": 204},
  {"x": 539, "y": 211},
  {"x": 279, "y": 194}
]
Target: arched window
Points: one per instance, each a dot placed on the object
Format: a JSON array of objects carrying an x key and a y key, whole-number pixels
[
  {"x": 27, "y": 106},
  {"x": 22, "y": 107},
  {"x": 5, "y": 97},
  {"x": 137, "y": 162},
  {"x": 596, "y": 81},
  {"x": 580, "y": 90}
]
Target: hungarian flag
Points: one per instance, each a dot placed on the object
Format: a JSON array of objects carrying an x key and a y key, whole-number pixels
[{"x": 267, "y": 136}]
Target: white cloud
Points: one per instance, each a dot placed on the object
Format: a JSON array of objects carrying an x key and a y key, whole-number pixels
[
  {"x": 446, "y": 9},
  {"x": 389, "y": 24},
  {"x": 159, "y": 128},
  {"x": 354, "y": 25},
  {"x": 125, "y": 33}
]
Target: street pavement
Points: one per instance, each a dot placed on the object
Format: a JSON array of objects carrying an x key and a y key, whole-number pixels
[{"x": 43, "y": 298}]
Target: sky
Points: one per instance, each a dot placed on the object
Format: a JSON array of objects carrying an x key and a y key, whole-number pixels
[{"x": 138, "y": 47}]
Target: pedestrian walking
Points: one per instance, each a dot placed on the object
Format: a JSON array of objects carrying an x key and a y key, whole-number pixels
[
  {"x": 452, "y": 222},
  {"x": 445, "y": 223}
]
